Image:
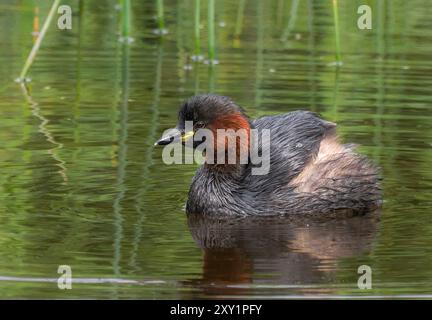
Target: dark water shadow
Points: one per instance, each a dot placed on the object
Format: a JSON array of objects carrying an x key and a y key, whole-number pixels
[{"x": 239, "y": 255}]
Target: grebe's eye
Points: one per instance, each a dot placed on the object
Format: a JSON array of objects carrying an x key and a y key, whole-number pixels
[{"x": 199, "y": 125}]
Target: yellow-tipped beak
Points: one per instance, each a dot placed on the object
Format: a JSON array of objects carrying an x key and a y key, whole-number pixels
[
  {"x": 186, "y": 136},
  {"x": 174, "y": 135}
]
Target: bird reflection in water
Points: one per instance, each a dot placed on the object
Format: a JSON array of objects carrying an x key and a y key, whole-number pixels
[{"x": 276, "y": 255}]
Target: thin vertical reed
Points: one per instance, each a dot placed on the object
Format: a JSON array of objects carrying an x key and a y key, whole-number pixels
[
  {"x": 36, "y": 28},
  {"x": 292, "y": 19},
  {"x": 337, "y": 36},
  {"x": 126, "y": 21},
  {"x": 38, "y": 41},
  {"x": 160, "y": 15},
  {"x": 197, "y": 29},
  {"x": 240, "y": 18},
  {"x": 211, "y": 31}
]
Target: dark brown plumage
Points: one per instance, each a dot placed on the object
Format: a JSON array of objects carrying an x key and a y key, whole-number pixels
[{"x": 311, "y": 172}]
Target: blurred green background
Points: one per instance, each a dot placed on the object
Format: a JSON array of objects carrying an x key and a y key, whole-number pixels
[{"x": 81, "y": 183}]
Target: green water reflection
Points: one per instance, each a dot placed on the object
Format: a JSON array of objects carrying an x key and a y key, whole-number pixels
[{"x": 81, "y": 183}]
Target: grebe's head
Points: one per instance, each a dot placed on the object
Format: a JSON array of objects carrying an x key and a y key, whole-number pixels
[{"x": 209, "y": 111}]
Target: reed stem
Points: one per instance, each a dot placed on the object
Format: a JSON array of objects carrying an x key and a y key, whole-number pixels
[
  {"x": 337, "y": 36},
  {"x": 38, "y": 41},
  {"x": 211, "y": 32},
  {"x": 125, "y": 18},
  {"x": 259, "y": 54},
  {"x": 160, "y": 14},
  {"x": 292, "y": 20},
  {"x": 197, "y": 28},
  {"x": 36, "y": 28},
  {"x": 239, "y": 20}
]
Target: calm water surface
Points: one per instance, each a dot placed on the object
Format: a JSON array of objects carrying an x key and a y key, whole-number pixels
[{"x": 82, "y": 185}]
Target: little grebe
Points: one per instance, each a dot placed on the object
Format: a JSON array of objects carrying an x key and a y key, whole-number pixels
[{"x": 310, "y": 172}]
